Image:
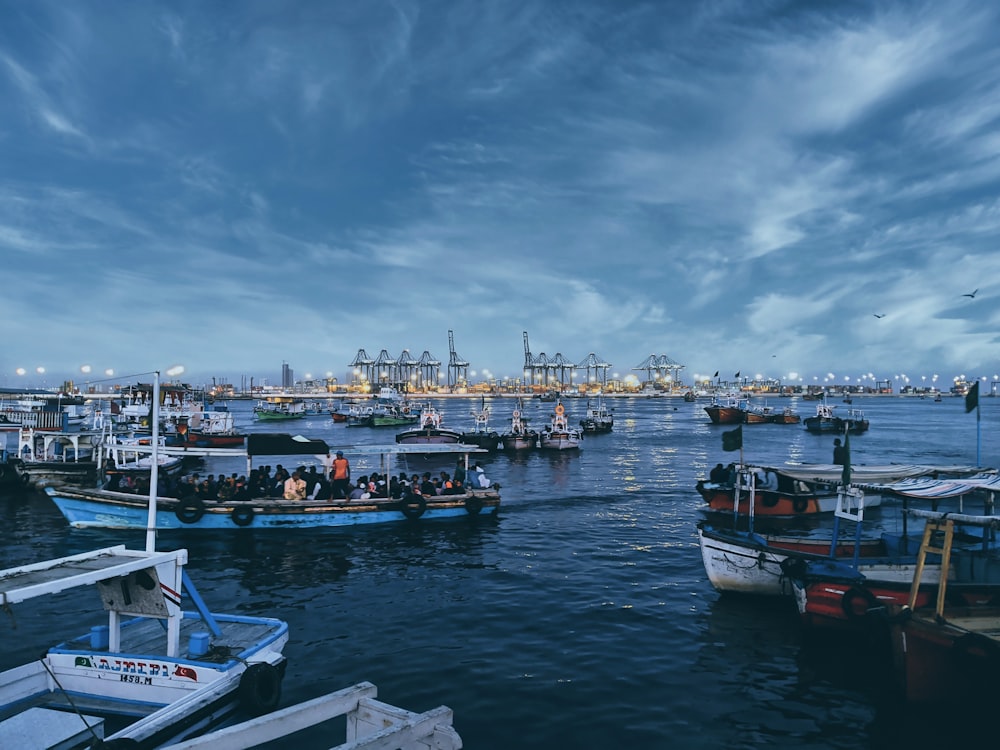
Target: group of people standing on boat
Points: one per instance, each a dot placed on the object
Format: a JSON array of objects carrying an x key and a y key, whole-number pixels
[{"x": 306, "y": 484}]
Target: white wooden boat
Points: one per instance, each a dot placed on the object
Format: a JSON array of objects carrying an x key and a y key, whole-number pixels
[
  {"x": 558, "y": 435},
  {"x": 519, "y": 436},
  {"x": 58, "y": 457},
  {"x": 369, "y": 723},
  {"x": 160, "y": 671}
]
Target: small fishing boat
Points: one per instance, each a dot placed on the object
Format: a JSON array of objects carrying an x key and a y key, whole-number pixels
[
  {"x": 155, "y": 673},
  {"x": 785, "y": 416},
  {"x": 481, "y": 435},
  {"x": 47, "y": 457},
  {"x": 210, "y": 429},
  {"x": 557, "y": 435},
  {"x": 279, "y": 409},
  {"x": 725, "y": 409},
  {"x": 690, "y": 397},
  {"x": 826, "y": 420},
  {"x": 598, "y": 419},
  {"x": 395, "y": 414},
  {"x": 428, "y": 431},
  {"x": 519, "y": 437}
]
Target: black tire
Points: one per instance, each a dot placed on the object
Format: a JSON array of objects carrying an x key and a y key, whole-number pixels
[
  {"x": 473, "y": 505},
  {"x": 260, "y": 689},
  {"x": 242, "y": 515},
  {"x": 190, "y": 510},
  {"x": 800, "y": 505},
  {"x": 413, "y": 507},
  {"x": 768, "y": 499},
  {"x": 26, "y": 479},
  {"x": 857, "y": 601}
]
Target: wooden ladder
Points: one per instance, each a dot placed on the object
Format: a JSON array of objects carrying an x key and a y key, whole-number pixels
[{"x": 947, "y": 527}]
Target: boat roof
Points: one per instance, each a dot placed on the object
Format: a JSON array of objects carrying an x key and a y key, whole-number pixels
[
  {"x": 52, "y": 576},
  {"x": 943, "y": 488},
  {"x": 873, "y": 474}
]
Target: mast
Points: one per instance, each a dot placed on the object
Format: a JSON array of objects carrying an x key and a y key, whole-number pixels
[{"x": 154, "y": 470}]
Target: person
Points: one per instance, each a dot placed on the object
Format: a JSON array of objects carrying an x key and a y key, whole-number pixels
[
  {"x": 718, "y": 474},
  {"x": 427, "y": 487},
  {"x": 295, "y": 487},
  {"x": 478, "y": 478},
  {"x": 460, "y": 471},
  {"x": 340, "y": 476},
  {"x": 839, "y": 453}
]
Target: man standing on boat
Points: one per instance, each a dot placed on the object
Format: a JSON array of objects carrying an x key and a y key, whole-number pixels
[
  {"x": 839, "y": 453},
  {"x": 340, "y": 477}
]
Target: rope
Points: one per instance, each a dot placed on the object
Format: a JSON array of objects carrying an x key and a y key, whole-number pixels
[
  {"x": 69, "y": 699},
  {"x": 9, "y": 611}
]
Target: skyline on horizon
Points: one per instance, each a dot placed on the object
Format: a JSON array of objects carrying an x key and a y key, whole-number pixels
[{"x": 795, "y": 189}]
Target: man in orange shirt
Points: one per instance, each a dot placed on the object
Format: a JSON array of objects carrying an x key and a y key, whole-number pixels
[{"x": 340, "y": 477}]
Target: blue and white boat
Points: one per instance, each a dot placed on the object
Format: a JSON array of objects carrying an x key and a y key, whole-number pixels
[
  {"x": 155, "y": 674},
  {"x": 101, "y": 508}
]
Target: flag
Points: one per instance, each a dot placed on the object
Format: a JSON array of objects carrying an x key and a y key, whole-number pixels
[
  {"x": 972, "y": 397},
  {"x": 733, "y": 440},
  {"x": 716, "y": 374},
  {"x": 737, "y": 374},
  {"x": 845, "y": 475}
]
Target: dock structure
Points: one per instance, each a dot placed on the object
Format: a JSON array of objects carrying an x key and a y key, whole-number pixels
[
  {"x": 458, "y": 368},
  {"x": 660, "y": 367},
  {"x": 403, "y": 372},
  {"x": 597, "y": 365}
]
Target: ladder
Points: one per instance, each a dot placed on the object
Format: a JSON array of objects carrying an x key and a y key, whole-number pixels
[{"x": 946, "y": 527}]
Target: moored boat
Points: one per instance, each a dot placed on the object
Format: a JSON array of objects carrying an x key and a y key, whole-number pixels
[
  {"x": 174, "y": 672},
  {"x": 725, "y": 409},
  {"x": 428, "y": 431},
  {"x": 597, "y": 419},
  {"x": 826, "y": 420},
  {"x": 519, "y": 437},
  {"x": 279, "y": 409},
  {"x": 557, "y": 435},
  {"x": 481, "y": 435}
]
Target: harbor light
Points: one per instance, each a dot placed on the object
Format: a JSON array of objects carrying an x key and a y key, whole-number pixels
[
  {"x": 85, "y": 369},
  {"x": 175, "y": 370},
  {"x": 20, "y": 371}
]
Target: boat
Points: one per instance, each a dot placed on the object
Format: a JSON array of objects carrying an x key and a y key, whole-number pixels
[
  {"x": 945, "y": 655},
  {"x": 725, "y": 409},
  {"x": 785, "y": 416},
  {"x": 155, "y": 673},
  {"x": 365, "y": 721},
  {"x": 279, "y": 409},
  {"x": 690, "y": 396},
  {"x": 598, "y": 419},
  {"x": 162, "y": 672},
  {"x": 557, "y": 435},
  {"x": 428, "y": 431},
  {"x": 481, "y": 435},
  {"x": 134, "y": 410},
  {"x": 47, "y": 457},
  {"x": 395, "y": 414},
  {"x": 215, "y": 428},
  {"x": 519, "y": 437},
  {"x": 826, "y": 420},
  {"x": 103, "y": 508},
  {"x": 12, "y": 477},
  {"x": 747, "y": 561},
  {"x": 836, "y": 594},
  {"x": 39, "y": 413}
]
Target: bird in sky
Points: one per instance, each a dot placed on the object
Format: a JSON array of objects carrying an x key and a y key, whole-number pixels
[
  {"x": 972, "y": 295},
  {"x": 879, "y": 316}
]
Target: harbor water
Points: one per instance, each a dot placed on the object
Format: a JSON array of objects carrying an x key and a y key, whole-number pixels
[{"x": 581, "y": 617}]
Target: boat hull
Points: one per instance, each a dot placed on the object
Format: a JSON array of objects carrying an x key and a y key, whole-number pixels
[
  {"x": 428, "y": 437},
  {"x": 724, "y": 414},
  {"x": 555, "y": 441},
  {"x": 521, "y": 442},
  {"x": 119, "y": 510},
  {"x": 774, "y": 503}
]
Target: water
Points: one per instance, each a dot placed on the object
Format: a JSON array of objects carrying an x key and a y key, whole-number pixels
[{"x": 580, "y": 618}]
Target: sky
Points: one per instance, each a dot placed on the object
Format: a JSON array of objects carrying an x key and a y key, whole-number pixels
[{"x": 738, "y": 186}]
